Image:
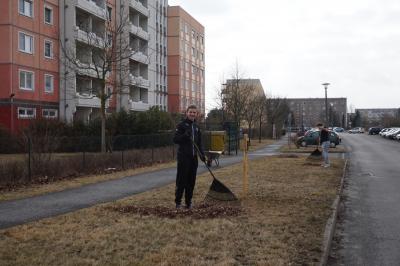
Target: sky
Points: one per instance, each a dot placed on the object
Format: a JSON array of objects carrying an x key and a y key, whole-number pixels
[{"x": 293, "y": 46}]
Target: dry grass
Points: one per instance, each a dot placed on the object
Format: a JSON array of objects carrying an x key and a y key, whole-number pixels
[
  {"x": 281, "y": 223},
  {"x": 309, "y": 149},
  {"x": 39, "y": 189}
]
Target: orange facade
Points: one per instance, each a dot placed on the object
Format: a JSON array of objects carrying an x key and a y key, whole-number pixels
[
  {"x": 186, "y": 61},
  {"x": 29, "y": 64}
]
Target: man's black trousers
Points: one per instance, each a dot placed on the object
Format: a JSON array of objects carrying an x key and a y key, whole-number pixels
[{"x": 185, "y": 179}]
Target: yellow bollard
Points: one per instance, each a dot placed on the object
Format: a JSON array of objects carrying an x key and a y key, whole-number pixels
[{"x": 245, "y": 166}]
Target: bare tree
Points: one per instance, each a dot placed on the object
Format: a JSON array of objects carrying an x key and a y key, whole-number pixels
[
  {"x": 235, "y": 96},
  {"x": 277, "y": 110},
  {"x": 102, "y": 54}
]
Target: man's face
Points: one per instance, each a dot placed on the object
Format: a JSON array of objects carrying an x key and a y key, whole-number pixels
[{"x": 191, "y": 114}]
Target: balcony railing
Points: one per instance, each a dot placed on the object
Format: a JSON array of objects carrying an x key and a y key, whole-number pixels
[
  {"x": 92, "y": 8},
  {"x": 139, "y": 81},
  {"x": 87, "y": 100},
  {"x": 138, "y": 31},
  {"x": 89, "y": 38},
  {"x": 139, "y": 57},
  {"x": 139, "y": 106},
  {"x": 139, "y": 7}
]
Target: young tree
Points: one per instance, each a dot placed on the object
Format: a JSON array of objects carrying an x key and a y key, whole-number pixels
[
  {"x": 277, "y": 111},
  {"x": 101, "y": 55}
]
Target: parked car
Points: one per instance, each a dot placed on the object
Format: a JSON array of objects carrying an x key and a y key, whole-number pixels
[
  {"x": 312, "y": 137},
  {"x": 389, "y": 132},
  {"x": 357, "y": 130},
  {"x": 338, "y": 129},
  {"x": 374, "y": 130},
  {"x": 383, "y": 131},
  {"x": 393, "y": 133}
]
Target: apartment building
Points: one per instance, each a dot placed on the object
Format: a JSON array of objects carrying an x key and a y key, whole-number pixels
[
  {"x": 307, "y": 112},
  {"x": 139, "y": 80},
  {"x": 29, "y": 65},
  {"x": 186, "y": 61},
  {"x": 51, "y": 58}
]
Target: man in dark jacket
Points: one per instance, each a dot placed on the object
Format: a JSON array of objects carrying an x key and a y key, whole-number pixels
[
  {"x": 325, "y": 143},
  {"x": 188, "y": 137}
]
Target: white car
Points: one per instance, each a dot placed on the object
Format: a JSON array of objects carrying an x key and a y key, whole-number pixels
[{"x": 357, "y": 130}]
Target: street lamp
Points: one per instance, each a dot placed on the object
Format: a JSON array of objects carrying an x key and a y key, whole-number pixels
[{"x": 326, "y": 102}]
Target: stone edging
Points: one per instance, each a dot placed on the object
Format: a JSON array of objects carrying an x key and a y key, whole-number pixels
[{"x": 331, "y": 223}]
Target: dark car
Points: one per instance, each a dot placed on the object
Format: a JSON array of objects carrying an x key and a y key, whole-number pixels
[
  {"x": 374, "y": 130},
  {"x": 311, "y": 138}
]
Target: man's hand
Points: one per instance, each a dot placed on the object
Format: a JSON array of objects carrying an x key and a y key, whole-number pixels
[{"x": 202, "y": 157}]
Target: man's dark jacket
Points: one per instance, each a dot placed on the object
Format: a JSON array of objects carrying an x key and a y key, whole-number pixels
[{"x": 185, "y": 131}]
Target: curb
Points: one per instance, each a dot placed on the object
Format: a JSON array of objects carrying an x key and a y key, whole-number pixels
[{"x": 331, "y": 223}]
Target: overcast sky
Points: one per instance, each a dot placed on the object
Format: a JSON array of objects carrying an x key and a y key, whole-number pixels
[{"x": 293, "y": 46}]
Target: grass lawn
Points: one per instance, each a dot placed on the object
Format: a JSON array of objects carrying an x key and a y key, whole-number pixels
[{"x": 280, "y": 222}]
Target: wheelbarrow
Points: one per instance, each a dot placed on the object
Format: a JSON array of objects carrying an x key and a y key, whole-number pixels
[{"x": 212, "y": 156}]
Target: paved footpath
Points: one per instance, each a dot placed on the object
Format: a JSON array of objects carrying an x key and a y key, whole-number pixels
[{"x": 16, "y": 212}]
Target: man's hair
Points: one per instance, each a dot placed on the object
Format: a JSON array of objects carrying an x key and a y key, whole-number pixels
[
  {"x": 319, "y": 125},
  {"x": 192, "y": 106}
]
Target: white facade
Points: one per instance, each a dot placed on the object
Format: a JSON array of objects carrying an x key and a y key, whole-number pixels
[{"x": 142, "y": 74}]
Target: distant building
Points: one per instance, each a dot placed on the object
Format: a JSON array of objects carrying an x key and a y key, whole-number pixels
[
  {"x": 236, "y": 90},
  {"x": 307, "y": 112},
  {"x": 376, "y": 116},
  {"x": 186, "y": 61}
]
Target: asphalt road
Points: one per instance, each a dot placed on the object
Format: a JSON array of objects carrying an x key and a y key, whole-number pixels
[
  {"x": 30, "y": 209},
  {"x": 368, "y": 229}
]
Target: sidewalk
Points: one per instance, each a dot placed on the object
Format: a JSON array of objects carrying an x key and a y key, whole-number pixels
[{"x": 22, "y": 211}]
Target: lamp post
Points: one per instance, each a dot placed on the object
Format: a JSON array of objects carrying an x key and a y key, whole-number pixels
[{"x": 326, "y": 102}]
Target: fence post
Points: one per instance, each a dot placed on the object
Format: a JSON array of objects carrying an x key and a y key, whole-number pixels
[
  {"x": 152, "y": 150},
  {"x": 29, "y": 159},
  {"x": 122, "y": 158},
  {"x": 83, "y": 161}
]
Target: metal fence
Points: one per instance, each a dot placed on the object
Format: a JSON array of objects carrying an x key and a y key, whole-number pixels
[{"x": 45, "y": 159}]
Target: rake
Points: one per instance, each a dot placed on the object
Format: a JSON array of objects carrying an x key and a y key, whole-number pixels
[{"x": 218, "y": 191}]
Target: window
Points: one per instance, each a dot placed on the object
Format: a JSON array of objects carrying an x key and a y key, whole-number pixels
[
  {"x": 48, "y": 49},
  {"x": 26, "y": 7},
  {"x": 49, "y": 113},
  {"x": 26, "y": 80},
  {"x": 25, "y": 43},
  {"x": 48, "y": 83},
  {"x": 48, "y": 15},
  {"x": 109, "y": 13},
  {"x": 24, "y": 112}
]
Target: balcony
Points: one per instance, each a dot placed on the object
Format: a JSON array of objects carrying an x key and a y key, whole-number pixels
[
  {"x": 87, "y": 100},
  {"x": 92, "y": 8},
  {"x": 139, "y": 81},
  {"x": 138, "y": 31},
  {"x": 138, "y": 106},
  {"x": 139, "y": 57},
  {"x": 139, "y": 7},
  {"x": 89, "y": 38}
]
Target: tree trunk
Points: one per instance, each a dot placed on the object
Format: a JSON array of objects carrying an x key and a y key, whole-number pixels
[{"x": 103, "y": 127}]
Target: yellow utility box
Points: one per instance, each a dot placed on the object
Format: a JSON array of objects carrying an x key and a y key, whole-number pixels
[{"x": 217, "y": 141}]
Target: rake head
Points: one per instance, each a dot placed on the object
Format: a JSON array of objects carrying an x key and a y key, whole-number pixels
[
  {"x": 316, "y": 154},
  {"x": 220, "y": 192}
]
